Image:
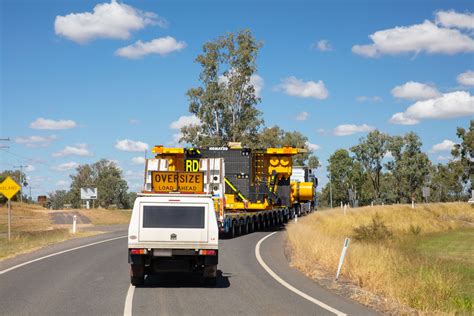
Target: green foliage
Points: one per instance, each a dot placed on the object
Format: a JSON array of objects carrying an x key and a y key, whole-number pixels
[
  {"x": 57, "y": 199},
  {"x": 107, "y": 177},
  {"x": 447, "y": 182},
  {"x": 465, "y": 152},
  {"x": 375, "y": 231},
  {"x": 415, "y": 230},
  {"x": 344, "y": 173},
  {"x": 225, "y": 103},
  {"x": 369, "y": 153}
]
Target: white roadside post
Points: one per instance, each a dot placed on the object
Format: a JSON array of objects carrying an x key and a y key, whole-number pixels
[
  {"x": 372, "y": 203},
  {"x": 74, "y": 220},
  {"x": 412, "y": 203},
  {"x": 343, "y": 254},
  {"x": 296, "y": 218},
  {"x": 341, "y": 205},
  {"x": 345, "y": 209}
]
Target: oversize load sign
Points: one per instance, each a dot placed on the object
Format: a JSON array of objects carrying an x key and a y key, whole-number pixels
[{"x": 173, "y": 181}]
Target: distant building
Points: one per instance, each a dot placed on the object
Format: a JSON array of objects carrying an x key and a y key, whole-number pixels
[{"x": 42, "y": 199}]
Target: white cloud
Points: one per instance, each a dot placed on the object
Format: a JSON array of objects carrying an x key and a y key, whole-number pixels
[
  {"x": 66, "y": 166},
  {"x": 36, "y": 141},
  {"x": 323, "y": 46},
  {"x": 133, "y": 175},
  {"x": 453, "y": 19},
  {"x": 441, "y": 157},
  {"x": 134, "y": 121},
  {"x": 77, "y": 150},
  {"x": 42, "y": 123},
  {"x": 445, "y": 145},
  {"x": 257, "y": 82},
  {"x": 388, "y": 155},
  {"x": 138, "y": 160},
  {"x": 62, "y": 184},
  {"x": 449, "y": 105},
  {"x": 131, "y": 145},
  {"x": 30, "y": 168},
  {"x": 108, "y": 20},
  {"x": 303, "y": 116},
  {"x": 412, "y": 90},
  {"x": 426, "y": 37},
  {"x": 161, "y": 46},
  {"x": 309, "y": 89},
  {"x": 185, "y": 120},
  {"x": 349, "y": 129},
  {"x": 313, "y": 147},
  {"x": 364, "y": 98},
  {"x": 466, "y": 78}
]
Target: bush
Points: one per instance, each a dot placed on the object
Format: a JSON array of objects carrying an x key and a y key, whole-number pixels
[{"x": 375, "y": 231}]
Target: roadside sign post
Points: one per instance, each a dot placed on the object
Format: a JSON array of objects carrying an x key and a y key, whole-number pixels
[
  {"x": 74, "y": 219},
  {"x": 9, "y": 188}
]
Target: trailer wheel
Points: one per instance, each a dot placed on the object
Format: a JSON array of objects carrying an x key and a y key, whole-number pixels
[
  {"x": 232, "y": 231},
  {"x": 137, "y": 281},
  {"x": 210, "y": 281}
]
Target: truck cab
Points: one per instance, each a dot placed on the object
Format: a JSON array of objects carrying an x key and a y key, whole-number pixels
[{"x": 173, "y": 232}]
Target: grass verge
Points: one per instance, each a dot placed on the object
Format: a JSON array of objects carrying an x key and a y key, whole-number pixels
[
  {"x": 24, "y": 242},
  {"x": 422, "y": 258},
  {"x": 107, "y": 217}
]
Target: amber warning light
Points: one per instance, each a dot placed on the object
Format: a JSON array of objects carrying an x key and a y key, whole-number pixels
[{"x": 172, "y": 181}]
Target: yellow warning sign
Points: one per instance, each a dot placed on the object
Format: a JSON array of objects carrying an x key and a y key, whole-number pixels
[
  {"x": 184, "y": 182},
  {"x": 9, "y": 188}
]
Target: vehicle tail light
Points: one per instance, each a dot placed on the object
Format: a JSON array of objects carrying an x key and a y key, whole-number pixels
[
  {"x": 204, "y": 252},
  {"x": 138, "y": 251}
]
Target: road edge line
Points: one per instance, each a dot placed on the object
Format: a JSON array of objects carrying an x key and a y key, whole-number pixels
[
  {"x": 58, "y": 253},
  {"x": 286, "y": 284},
  {"x": 127, "y": 310}
]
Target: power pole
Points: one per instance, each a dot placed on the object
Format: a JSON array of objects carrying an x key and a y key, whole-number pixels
[{"x": 21, "y": 180}]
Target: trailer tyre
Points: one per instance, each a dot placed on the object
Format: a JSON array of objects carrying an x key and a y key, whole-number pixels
[
  {"x": 210, "y": 281},
  {"x": 137, "y": 281}
]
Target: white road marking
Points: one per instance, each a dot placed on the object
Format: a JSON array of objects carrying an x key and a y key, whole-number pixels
[
  {"x": 287, "y": 285},
  {"x": 58, "y": 253},
  {"x": 127, "y": 310}
]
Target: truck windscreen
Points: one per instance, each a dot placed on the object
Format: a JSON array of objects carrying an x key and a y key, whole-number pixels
[{"x": 173, "y": 216}]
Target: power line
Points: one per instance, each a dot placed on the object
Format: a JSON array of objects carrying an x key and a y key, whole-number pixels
[{"x": 21, "y": 180}]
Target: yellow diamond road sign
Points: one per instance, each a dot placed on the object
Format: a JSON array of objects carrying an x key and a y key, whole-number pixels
[{"x": 9, "y": 188}]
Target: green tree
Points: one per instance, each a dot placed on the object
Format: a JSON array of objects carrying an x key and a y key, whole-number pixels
[
  {"x": 57, "y": 199},
  {"x": 225, "y": 102},
  {"x": 447, "y": 182},
  {"x": 344, "y": 173},
  {"x": 107, "y": 177},
  {"x": 409, "y": 166},
  {"x": 465, "y": 152},
  {"x": 370, "y": 152}
]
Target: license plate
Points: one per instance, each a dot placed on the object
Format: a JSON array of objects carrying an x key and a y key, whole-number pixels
[{"x": 162, "y": 252}]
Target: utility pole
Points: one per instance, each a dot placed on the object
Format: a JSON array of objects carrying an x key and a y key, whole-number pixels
[{"x": 21, "y": 180}]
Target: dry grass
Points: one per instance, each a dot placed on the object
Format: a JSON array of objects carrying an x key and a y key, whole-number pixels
[
  {"x": 23, "y": 242},
  {"x": 392, "y": 267},
  {"x": 25, "y": 217},
  {"x": 107, "y": 217}
]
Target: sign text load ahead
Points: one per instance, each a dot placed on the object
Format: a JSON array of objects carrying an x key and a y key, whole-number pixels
[{"x": 173, "y": 181}]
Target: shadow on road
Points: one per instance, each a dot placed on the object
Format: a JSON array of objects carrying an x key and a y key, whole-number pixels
[
  {"x": 187, "y": 280},
  {"x": 269, "y": 229}
]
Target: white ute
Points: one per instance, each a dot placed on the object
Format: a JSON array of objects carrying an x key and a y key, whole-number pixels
[{"x": 173, "y": 233}]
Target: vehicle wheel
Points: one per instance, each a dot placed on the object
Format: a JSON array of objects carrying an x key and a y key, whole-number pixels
[
  {"x": 137, "y": 281},
  {"x": 232, "y": 231},
  {"x": 210, "y": 281}
]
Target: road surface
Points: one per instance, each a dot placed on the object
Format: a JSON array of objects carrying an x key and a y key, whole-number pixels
[{"x": 94, "y": 280}]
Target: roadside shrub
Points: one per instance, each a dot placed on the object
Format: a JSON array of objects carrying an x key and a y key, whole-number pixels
[
  {"x": 375, "y": 231},
  {"x": 415, "y": 230}
]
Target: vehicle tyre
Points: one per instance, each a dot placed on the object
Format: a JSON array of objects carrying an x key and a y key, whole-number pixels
[
  {"x": 212, "y": 281},
  {"x": 137, "y": 281},
  {"x": 232, "y": 231}
]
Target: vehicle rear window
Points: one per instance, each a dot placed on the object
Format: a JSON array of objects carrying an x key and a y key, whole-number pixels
[{"x": 173, "y": 216}]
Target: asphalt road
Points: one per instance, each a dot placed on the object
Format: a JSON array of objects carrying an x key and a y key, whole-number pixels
[{"x": 94, "y": 280}]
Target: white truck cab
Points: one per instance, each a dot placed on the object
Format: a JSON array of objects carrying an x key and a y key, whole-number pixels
[{"x": 173, "y": 232}]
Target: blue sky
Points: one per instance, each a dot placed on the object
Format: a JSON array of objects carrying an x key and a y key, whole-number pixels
[{"x": 331, "y": 70}]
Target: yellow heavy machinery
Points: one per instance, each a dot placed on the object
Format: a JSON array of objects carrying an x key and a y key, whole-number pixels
[{"x": 251, "y": 188}]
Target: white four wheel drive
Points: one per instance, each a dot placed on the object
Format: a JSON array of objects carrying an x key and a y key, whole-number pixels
[{"x": 173, "y": 233}]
